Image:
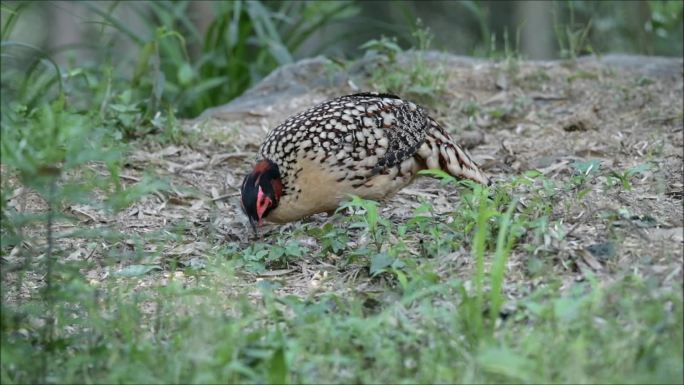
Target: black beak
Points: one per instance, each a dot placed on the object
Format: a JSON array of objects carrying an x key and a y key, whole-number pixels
[{"x": 254, "y": 226}]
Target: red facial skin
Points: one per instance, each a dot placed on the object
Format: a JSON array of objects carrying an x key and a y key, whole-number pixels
[
  {"x": 263, "y": 202},
  {"x": 261, "y": 191}
]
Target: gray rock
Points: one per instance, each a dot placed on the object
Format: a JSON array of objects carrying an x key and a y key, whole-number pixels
[
  {"x": 647, "y": 65},
  {"x": 284, "y": 83}
]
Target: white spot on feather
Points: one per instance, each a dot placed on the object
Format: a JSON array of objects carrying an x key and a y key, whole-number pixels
[
  {"x": 407, "y": 165},
  {"x": 371, "y": 161},
  {"x": 383, "y": 142}
]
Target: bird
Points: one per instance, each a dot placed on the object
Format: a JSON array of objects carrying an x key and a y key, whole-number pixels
[{"x": 366, "y": 144}]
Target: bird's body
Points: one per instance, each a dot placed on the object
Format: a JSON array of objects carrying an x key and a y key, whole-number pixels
[{"x": 369, "y": 144}]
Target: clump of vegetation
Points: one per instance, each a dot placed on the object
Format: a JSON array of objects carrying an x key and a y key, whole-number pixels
[
  {"x": 243, "y": 43},
  {"x": 416, "y": 79},
  {"x": 573, "y": 37},
  {"x": 437, "y": 328}
]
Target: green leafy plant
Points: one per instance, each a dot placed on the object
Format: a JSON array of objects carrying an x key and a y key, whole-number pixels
[
  {"x": 48, "y": 149},
  {"x": 415, "y": 79},
  {"x": 573, "y": 38},
  {"x": 174, "y": 68},
  {"x": 332, "y": 239},
  {"x": 260, "y": 255},
  {"x": 376, "y": 226},
  {"x": 584, "y": 171},
  {"x": 245, "y": 40},
  {"x": 624, "y": 177}
]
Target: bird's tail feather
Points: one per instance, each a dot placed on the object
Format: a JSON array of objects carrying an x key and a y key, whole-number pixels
[{"x": 441, "y": 152}]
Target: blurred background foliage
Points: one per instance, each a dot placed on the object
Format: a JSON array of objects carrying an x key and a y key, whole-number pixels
[{"x": 187, "y": 56}]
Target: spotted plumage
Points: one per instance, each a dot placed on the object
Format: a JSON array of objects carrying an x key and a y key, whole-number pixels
[{"x": 366, "y": 144}]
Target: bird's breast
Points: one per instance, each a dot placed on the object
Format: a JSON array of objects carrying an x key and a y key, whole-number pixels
[{"x": 317, "y": 187}]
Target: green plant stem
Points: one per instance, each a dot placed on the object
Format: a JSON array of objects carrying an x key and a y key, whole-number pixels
[
  {"x": 49, "y": 297},
  {"x": 499, "y": 266},
  {"x": 479, "y": 248}
]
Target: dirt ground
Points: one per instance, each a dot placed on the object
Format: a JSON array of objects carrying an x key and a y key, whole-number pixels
[{"x": 513, "y": 117}]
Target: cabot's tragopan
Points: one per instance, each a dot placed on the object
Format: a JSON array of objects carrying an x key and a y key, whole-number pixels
[{"x": 367, "y": 144}]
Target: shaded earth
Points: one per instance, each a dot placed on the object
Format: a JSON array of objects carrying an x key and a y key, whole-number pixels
[{"x": 617, "y": 116}]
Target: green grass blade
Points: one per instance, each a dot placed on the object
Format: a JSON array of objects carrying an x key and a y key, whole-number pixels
[
  {"x": 500, "y": 260},
  {"x": 481, "y": 233},
  {"x": 115, "y": 23}
]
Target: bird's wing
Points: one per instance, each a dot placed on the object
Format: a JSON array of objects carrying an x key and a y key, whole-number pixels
[{"x": 398, "y": 128}]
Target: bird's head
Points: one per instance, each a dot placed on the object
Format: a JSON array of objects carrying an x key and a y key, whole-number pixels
[{"x": 261, "y": 191}]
